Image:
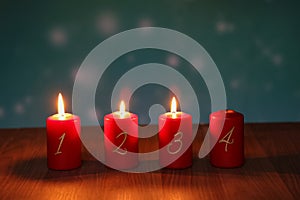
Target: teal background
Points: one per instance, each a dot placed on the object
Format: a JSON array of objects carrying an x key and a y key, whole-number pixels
[{"x": 255, "y": 45}]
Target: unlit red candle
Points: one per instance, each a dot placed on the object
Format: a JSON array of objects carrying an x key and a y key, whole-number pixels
[
  {"x": 63, "y": 139},
  {"x": 175, "y": 138},
  {"x": 121, "y": 139},
  {"x": 226, "y": 128}
]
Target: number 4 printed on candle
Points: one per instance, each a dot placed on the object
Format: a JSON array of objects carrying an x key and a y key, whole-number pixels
[
  {"x": 61, "y": 138},
  {"x": 227, "y": 141}
]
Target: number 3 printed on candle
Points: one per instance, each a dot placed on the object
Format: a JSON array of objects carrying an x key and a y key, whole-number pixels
[
  {"x": 178, "y": 140},
  {"x": 119, "y": 150},
  {"x": 227, "y": 141},
  {"x": 61, "y": 138}
]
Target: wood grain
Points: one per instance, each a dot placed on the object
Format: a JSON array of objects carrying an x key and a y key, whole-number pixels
[{"x": 271, "y": 171}]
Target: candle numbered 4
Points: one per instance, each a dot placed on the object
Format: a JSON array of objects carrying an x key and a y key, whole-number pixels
[{"x": 226, "y": 130}]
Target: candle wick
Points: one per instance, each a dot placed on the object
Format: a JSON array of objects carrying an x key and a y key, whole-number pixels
[
  {"x": 62, "y": 116},
  {"x": 121, "y": 114},
  {"x": 173, "y": 114}
]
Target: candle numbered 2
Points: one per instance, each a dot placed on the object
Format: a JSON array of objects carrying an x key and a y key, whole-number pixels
[{"x": 121, "y": 139}]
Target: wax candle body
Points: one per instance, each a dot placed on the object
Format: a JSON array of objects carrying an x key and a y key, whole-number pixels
[
  {"x": 121, "y": 140},
  {"x": 175, "y": 135},
  {"x": 228, "y": 150},
  {"x": 63, "y": 142}
]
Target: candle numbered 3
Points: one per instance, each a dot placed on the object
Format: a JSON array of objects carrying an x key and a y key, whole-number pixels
[{"x": 175, "y": 139}]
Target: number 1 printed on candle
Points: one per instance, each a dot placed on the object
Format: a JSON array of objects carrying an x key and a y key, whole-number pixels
[
  {"x": 119, "y": 150},
  {"x": 227, "y": 141},
  {"x": 178, "y": 140},
  {"x": 61, "y": 138}
]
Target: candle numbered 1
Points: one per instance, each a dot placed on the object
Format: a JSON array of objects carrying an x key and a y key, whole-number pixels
[
  {"x": 121, "y": 139},
  {"x": 63, "y": 140},
  {"x": 175, "y": 135}
]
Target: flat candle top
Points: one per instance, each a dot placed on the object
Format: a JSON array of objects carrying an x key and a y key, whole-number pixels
[
  {"x": 175, "y": 115},
  {"x": 226, "y": 114},
  {"x": 66, "y": 116},
  {"x": 121, "y": 115}
]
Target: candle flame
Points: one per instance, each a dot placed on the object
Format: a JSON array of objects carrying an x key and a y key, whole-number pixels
[
  {"x": 173, "y": 108},
  {"x": 122, "y": 108},
  {"x": 173, "y": 105},
  {"x": 60, "y": 106}
]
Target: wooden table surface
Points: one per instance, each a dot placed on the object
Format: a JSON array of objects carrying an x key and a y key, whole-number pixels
[{"x": 271, "y": 171}]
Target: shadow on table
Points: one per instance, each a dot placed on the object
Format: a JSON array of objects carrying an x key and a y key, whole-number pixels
[{"x": 36, "y": 168}]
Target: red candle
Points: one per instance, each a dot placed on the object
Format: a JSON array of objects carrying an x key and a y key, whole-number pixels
[
  {"x": 175, "y": 137},
  {"x": 121, "y": 139},
  {"x": 229, "y": 146},
  {"x": 63, "y": 139}
]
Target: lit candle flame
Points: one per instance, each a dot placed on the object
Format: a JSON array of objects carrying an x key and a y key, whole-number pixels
[
  {"x": 60, "y": 106},
  {"x": 122, "y": 109},
  {"x": 173, "y": 107}
]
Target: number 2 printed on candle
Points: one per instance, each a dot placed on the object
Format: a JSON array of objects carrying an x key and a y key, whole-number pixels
[
  {"x": 61, "y": 138},
  {"x": 178, "y": 140},
  {"x": 227, "y": 141},
  {"x": 119, "y": 150}
]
